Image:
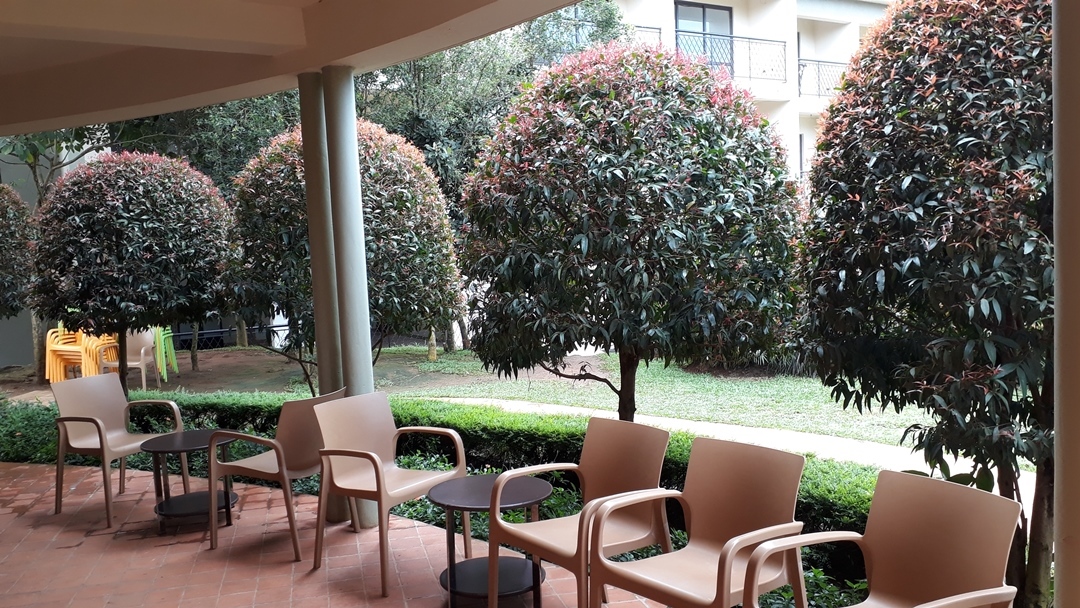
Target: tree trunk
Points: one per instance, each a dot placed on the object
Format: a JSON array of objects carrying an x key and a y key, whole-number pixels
[
  {"x": 39, "y": 329},
  {"x": 1016, "y": 569},
  {"x": 628, "y": 364},
  {"x": 1036, "y": 590},
  {"x": 463, "y": 325},
  {"x": 449, "y": 344},
  {"x": 194, "y": 349},
  {"x": 121, "y": 358},
  {"x": 241, "y": 333}
]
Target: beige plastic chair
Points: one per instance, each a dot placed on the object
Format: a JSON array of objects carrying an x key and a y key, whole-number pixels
[
  {"x": 928, "y": 542},
  {"x": 293, "y": 454},
  {"x": 736, "y": 495},
  {"x": 140, "y": 354},
  {"x": 358, "y": 462},
  {"x": 616, "y": 457},
  {"x": 94, "y": 421}
]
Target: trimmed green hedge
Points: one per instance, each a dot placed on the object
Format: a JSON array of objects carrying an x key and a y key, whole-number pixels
[{"x": 833, "y": 495}]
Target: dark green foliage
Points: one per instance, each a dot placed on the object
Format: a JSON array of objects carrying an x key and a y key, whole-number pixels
[
  {"x": 632, "y": 201},
  {"x": 835, "y": 496},
  {"x": 255, "y": 413},
  {"x": 217, "y": 140},
  {"x": 14, "y": 251},
  {"x": 930, "y": 260},
  {"x": 413, "y": 280},
  {"x": 27, "y": 432},
  {"x": 448, "y": 103},
  {"x": 128, "y": 242}
]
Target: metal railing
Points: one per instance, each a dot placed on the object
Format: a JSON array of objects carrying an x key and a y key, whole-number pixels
[
  {"x": 819, "y": 78},
  {"x": 646, "y": 34},
  {"x": 752, "y": 58}
]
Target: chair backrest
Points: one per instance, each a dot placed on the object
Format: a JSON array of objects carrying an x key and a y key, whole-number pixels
[
  {"x": 137, "y": 341},
  {"x": 99, "y": 397},
  {"x": 359, "y": 422},
  {"x": 619, "y": 456},
  {"x": 927, "y": 538},
  {"x": 298, "y": 431},
  {"x": 733, "y": 488}
]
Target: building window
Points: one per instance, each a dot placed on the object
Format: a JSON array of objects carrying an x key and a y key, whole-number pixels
[{"x": 705, "y": 30}]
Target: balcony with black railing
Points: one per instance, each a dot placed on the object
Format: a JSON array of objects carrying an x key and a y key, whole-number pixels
[
  {"x": 819, "y": 78},
  {"x": 751, "y": 58}
]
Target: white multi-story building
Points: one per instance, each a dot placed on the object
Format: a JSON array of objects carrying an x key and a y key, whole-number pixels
[{"x": 788, "y": 53}]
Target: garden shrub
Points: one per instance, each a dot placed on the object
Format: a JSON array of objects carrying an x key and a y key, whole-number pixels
[
  {"x": 930, "y": 255},
  {"x": 15, "y": 259},
  {"x": 130, "y": 241},
  {"x": 413, "y": 278},
  {"x": 634, "y": 201}
]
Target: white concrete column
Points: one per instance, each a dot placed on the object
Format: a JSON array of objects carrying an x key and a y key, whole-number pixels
[
  {"x": 320, "y": 232},
  {"x": 350, "y": 257},
  {"x": 1067, "y": 304},
  {"x": 350, "y": 253}
]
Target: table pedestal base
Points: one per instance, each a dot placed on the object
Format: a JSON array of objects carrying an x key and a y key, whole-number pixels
[{"x": 471, "y": 580}]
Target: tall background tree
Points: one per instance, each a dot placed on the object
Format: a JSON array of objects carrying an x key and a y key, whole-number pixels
[
  {"x": 413, "y": 279},
  {"x": 930, "y": 260},
  {"x": 631, "y": 201},
  {"x": 217, "y": 140},
  {"x": 46, "y": 156},
  {"x": 14, "y": 252},
  {"x": 127, "y": 242}
]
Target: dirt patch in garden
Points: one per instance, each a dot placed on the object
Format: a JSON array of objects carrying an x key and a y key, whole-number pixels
[{"x": 262, "y": 370}]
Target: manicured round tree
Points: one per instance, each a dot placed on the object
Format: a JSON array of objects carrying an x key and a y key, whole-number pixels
[
  {"x": 634, "y": 201},
  {"x": 130, "y": 241},
  {"x": 14, "y": 251},
  {"x": 413, "y": 278},
  {"x": 930, "y": 261}
]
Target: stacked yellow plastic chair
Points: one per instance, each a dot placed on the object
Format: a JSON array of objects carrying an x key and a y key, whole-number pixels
[{"x": 63, "y": 349}]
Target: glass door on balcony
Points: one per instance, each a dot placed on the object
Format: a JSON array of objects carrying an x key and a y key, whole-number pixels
[{"x": 705, "y": 30}]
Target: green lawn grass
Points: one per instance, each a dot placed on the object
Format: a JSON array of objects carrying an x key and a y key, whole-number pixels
[{"x": 783, "y": 402}]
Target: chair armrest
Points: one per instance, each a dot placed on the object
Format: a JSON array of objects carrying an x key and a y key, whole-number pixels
[
  {"x": 273, "y": 444},
  {"x": 98, "y": 424},
  {"x": 596, "y": 512},
  {"x": 767, "y": 548},
  {"x": 974, "y": 599},
  {"x": 371, "y": 457},
  {"x": 178, "y": 424},
  {"x": 459, "y": 446},
  {"x": 495, "y": 513}
]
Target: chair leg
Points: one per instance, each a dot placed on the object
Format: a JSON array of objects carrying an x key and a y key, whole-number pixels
[
  {"x": 106, "y": 474},
  {"x": 320, "y": 518},
  {"x": 123, "y": 473},
  {"x": 142, "y": 372},
  {"x": 212, "y": 521},
  {"x": 793, "y": 566},
  {"x": 290, "y": 510},
  {"x": 354, "y": 514},
  {"x": 184, "y": 472},
  {"x": 384, "y": 546},
  {"x": 60, "y": 453},
  {"x": 493, "y": 572},
  {"x": 596, "y": 595}
]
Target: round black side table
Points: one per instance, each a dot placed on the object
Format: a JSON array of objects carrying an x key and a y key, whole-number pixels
[
  {"x": 191, "y": 503},
  {"x": 473, "y": 493}
]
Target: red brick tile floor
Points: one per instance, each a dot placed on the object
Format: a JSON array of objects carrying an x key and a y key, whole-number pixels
[{"x": 71, "y": 560}]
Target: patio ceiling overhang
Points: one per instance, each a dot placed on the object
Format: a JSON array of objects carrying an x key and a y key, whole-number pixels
[{"x": 67, "y": 63}]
